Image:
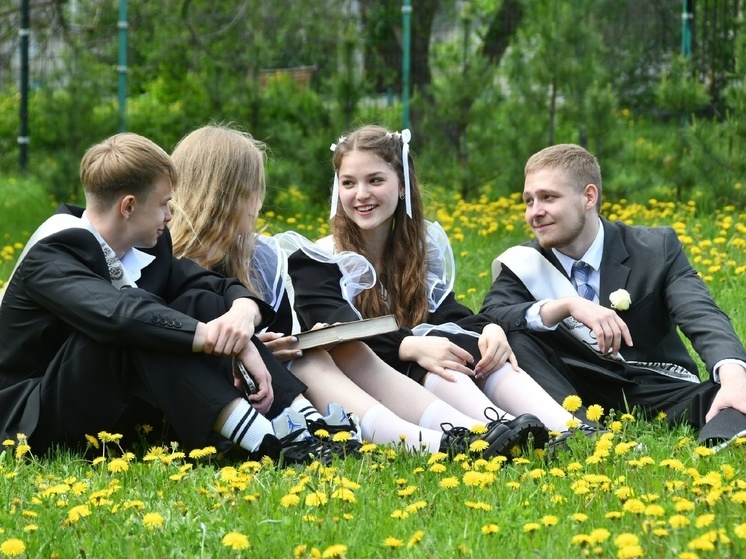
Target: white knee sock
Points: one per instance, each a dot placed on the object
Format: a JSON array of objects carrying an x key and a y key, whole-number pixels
[
  {"x": 462, "y": 394},
  {"x": 517, "y": 392},
  {"x": 246, "y": 427},
  {"x": 306, "y": 409},
  {"x": 439, "y": 412},
  {"x": 382, "y": 426}
]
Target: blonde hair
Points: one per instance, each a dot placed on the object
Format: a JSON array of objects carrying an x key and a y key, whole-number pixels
[
  {"x": 578, "y": 163},
  {"x": 405, "y": 274},
  {"x": 222, "y": 172},
  {"x": 125, "y": 163}
]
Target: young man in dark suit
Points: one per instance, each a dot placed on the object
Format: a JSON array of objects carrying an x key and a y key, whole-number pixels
[
  {"x": 602, "y": 301},
  {"x": 102, "y": 328}
]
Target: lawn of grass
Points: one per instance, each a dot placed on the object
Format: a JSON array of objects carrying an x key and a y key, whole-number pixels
[{"x": 642, "y": 490}]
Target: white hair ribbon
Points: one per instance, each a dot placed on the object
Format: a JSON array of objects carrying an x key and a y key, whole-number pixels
[
  {"x": 335, "y": 188},
  {"x": 406, "y": 136}
]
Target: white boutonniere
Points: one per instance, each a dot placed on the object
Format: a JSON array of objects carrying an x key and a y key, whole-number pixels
[{"x": 620, "y": 300}]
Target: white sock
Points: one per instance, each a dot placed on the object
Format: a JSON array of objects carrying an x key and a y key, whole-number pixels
[
  {"x": 462, "y": 396},
  {"x": 382, "y": 426},
  {"x": 439, "y": 412},
  {"x": 246, "y": 427},
  {"x": 517, "y": 392},
  {"x": 306, "y": 409}
]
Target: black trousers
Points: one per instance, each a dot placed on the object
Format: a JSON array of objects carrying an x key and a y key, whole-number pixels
[
  {"x": 561, "y": 372},
  {"x": 90, "y": 387}
]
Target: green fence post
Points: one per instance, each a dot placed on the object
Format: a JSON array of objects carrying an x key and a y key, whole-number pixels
[
  {"x": 23, "y": 137},
  {"x": 122, "y": 66},
  {"x": 406, "y": 11}
]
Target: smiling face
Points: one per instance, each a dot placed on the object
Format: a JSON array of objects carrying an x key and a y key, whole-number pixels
[
  {"x": 150, "y": 214},
  {"x": 561, "y": 215},
  {"x": 369, "y": 191}
]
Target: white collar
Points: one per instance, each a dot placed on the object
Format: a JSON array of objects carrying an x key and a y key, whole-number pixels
[
  {"x": 133, "y": 261},
  {"x": 592, "y": 256}
]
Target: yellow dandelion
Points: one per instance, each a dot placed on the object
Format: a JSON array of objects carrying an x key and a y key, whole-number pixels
[
  {"x": 336, "y": 550},
  {"x": 393, "y": 542},
  {"x": 599, "y": 535},
  {"x": 630, "y": 552},
  {"x": 688, "y": 555},
  {"x": 438, "y": 468},
  {"x": 635, "y": 506},
  {"x": 613, "y": 515},
  {"x": 152, "y": 520},
  {"x": 740, "y": 531},
  {"x": 316, "y": 499},
  {"x": 594, "y": 412},
  {"x": 236, "y": 541},
  {"x": 626, "y": 539},
  {"x": 479, "y": 446},
  {"x": 579, "y": 517},
  {"x": 490, "y": 529},
  {"x": 416, "y": 538},
  {"x": 701, "y": 544},
  {"x": 342, "y": 437},
  {"x": 572, "y": 403},
  {"x": 9, "y": 442},
  {"x": 549, "y": 520},
  {"x": 76, "y": 513},
  {"x": 581, "y": 539},
  {"x": 531, "y": 527},
  {"x": 344, "y": 494},
  {"x": 704, "y": 451},
  {"x": 449, "y": 482},
  {"x": 30, "y": 528},
  {"x": 12, "y": 547},
  {"x": 679, "y": 521},
  {"x": 93, "y": 441},
  {"x": 118, "y": 465},
  {"x": 22, "y": 449},
  {"x": 704, "y": 520}
]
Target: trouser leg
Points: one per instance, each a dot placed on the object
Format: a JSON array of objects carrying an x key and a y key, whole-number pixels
[{"x": 90, "y": 387}]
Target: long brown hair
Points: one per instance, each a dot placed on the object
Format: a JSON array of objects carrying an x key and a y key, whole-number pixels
[
  {"x": 405, "y": 271},
  {"x": 221, "y": 171}
]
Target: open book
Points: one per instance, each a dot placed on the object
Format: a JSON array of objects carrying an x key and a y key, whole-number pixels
[{"x": 346, "y": 331}]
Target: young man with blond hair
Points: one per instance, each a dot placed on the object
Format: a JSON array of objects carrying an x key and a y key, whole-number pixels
[
  {"x": 602, "y": 302},
  {"x": 101, "y": 328}
]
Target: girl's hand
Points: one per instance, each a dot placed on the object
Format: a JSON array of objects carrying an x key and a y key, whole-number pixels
[
  {"x": 493, "y": 344},
  {"x": 280, "y": 345},
  {"x": 437, "y": 355}
]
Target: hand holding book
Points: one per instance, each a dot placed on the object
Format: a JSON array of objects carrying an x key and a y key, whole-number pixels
[{"x": 333, "y": 334}]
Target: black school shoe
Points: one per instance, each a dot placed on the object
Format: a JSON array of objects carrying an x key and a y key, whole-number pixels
[
  {"x": 500, "y": 441},
  {"x": 527, "y": 426},
  {"x": 728, "y": 425}
]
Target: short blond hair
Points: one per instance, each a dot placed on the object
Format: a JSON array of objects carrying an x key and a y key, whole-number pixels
[
  {"x": 125, "y": 163},
  {"x": 579, "y": 164}
]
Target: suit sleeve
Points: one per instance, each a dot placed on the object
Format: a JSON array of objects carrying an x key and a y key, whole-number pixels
[
  {"x": 318, "y": 298},
  {"x": 694, "y": 310},
  {"x": 67, "y": 276}
]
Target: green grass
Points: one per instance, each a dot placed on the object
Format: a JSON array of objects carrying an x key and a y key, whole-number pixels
[{"x": 646, "y": 481}]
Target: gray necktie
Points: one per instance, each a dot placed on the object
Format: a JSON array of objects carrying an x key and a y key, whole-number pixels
[{"x": 580, "y": 273}]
